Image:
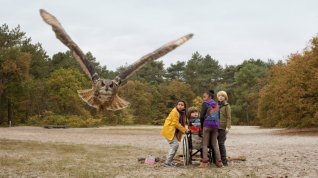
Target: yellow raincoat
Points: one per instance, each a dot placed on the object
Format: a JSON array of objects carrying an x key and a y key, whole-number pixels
[{"x": 171, "y": 124}]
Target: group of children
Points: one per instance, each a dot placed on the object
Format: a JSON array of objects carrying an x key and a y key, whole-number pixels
[{"x": 214, "y": 122}]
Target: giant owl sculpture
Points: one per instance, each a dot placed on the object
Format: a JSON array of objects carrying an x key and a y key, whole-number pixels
[{"x": 103, "y": 94}]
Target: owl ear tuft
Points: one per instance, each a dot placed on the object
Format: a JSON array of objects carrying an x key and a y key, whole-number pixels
[{"x": 117, "y": 81}]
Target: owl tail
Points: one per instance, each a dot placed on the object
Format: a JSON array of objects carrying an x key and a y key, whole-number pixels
[
  {"x": 117, "y": 104},
  {"x": 87, "y": 96}
]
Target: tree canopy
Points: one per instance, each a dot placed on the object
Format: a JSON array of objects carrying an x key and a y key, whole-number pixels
[{"x": 37, "y": 89}]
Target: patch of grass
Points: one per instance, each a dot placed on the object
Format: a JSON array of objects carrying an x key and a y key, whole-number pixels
[{"x": 35, "y": 159}]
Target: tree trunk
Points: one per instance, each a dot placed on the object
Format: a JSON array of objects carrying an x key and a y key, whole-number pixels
[
  {"x": 1, "y": 115},
  {"x": 247, "y": 116},
  {"x": 9, "y": 112}
]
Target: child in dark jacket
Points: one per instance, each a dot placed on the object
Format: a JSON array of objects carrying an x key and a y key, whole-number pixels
[{"x": 225, "y": 123}]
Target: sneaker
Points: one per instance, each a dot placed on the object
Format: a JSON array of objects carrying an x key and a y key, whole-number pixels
[
  {"x": 170, "y": 165},
  {"x": 173, "y": 164}
]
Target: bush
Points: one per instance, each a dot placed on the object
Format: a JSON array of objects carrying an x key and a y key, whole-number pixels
[
  {"x": 92, "y": 122},
  {"x": 158, "y": 121},
  {"x": 69, "y": 120},
  {"x": 121, "y": 117}
]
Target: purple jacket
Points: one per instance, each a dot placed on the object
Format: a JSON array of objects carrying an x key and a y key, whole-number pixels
[{"x": 205, "y": 108}]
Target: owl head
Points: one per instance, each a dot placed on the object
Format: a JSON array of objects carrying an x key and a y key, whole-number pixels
[{"x": 105, "y": 90}]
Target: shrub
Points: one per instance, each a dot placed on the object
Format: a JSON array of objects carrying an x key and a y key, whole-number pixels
[{"x": 69, "y": 120}]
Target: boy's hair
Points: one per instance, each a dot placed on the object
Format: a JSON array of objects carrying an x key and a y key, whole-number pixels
[
  {"x": 224, "y": 94},
  {"x": 191, "y": 110}
]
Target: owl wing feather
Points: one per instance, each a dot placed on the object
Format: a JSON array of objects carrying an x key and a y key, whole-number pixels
[
  {"x": 165, "y": 49},
  {"x": 77, "y": 53}
]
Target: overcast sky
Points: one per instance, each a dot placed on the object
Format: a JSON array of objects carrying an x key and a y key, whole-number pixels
[{"x": 120, "y": 32}]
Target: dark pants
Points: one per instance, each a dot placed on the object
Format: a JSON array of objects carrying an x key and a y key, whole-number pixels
[
  {"x": 210, "y": 136},
  {"x": 221, "y": 140}
]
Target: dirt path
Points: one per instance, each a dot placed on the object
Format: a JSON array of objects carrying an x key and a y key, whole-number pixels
[{"x": 268, "y": 154}]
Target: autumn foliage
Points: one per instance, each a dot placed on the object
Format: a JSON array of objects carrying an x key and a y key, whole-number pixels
[
  {"x": 36, "y": 89},
  {"x": 290, "y": 98}
]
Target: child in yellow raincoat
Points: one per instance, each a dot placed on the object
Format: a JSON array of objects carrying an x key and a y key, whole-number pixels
[{"x": 173, "y": 129}]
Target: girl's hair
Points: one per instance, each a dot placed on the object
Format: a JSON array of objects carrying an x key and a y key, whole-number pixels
[
  {"x": 185, "y": 104},
  {"x": 210, "y": 93},
  {"x": 224, "y": 94}
]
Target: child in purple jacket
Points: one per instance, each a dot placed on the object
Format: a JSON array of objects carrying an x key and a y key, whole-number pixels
[{"x": 210, "y": 129}]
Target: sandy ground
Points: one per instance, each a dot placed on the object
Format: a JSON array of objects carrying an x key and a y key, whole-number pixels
[{"x": 269, "y": 152}]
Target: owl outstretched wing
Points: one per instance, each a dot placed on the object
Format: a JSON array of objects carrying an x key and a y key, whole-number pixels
[
  {"x": 77, "y": 53},
  {"x": 163, "y": 50}
]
